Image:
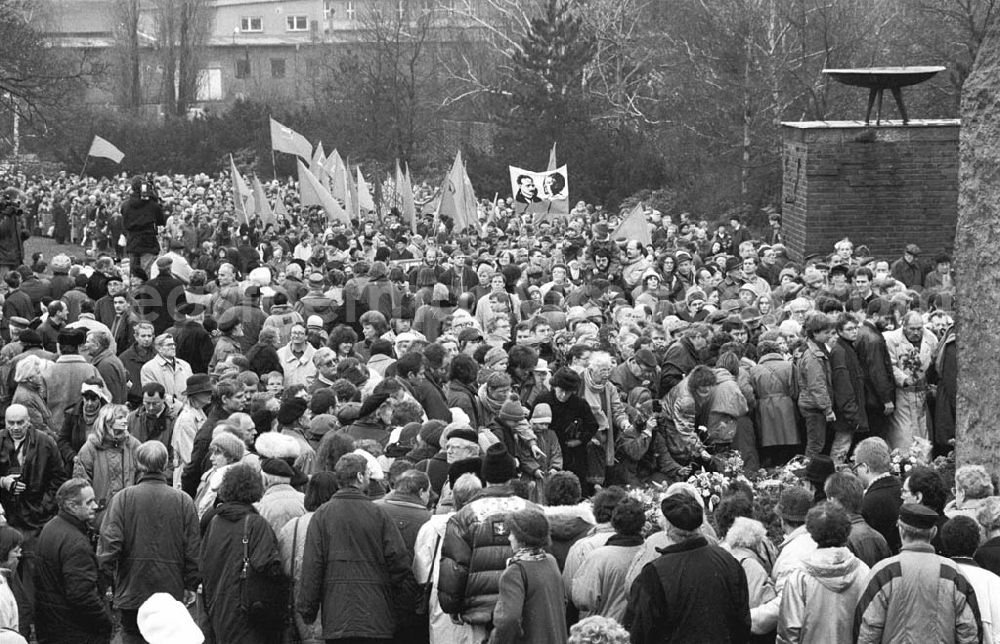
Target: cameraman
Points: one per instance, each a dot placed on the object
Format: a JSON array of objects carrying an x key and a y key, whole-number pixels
[
  {"x": 141, "y": 215},
  {"x": 12, "y": 232}
]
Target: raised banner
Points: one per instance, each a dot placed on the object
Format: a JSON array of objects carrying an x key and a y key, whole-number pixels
[{"x": 540, "y": 192}]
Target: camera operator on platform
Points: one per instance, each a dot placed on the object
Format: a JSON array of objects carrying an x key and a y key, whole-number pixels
[
  {"x": 141, "y": 215},
  {"x": 12, "y": 232}
]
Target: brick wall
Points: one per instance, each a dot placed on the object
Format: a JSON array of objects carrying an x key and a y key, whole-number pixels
[{"x": 884, "y": 186}]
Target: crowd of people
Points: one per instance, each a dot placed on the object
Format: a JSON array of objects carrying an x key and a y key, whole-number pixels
[{"x": 308, "y": 431}]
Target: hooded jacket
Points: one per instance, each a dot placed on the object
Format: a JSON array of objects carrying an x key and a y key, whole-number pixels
[
  {"x": 109, "y": 465},
  {"x": 567, "y": 525},
  {"x": 818, "y": 601}
]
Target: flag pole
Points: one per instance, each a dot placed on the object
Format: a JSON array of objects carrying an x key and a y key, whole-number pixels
[
  {"x": 274, "y": 164},
  {"x": 85, "y": 159}
]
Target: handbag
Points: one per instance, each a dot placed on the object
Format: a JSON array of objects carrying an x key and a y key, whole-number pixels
[
  {"x": 423, "y": 608},
  {"x": 263, "y": 598}
]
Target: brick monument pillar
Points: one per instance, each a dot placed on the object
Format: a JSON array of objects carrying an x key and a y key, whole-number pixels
[{"x": 884, "y": 186}]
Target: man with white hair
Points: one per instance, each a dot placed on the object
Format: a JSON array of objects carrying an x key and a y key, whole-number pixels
[
  {"x": 101, "y": 354},
  {"x": 168, "y": 370},
  {"x": 612, "y": 420}
]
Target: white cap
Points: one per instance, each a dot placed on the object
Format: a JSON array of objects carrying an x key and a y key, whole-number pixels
[
  {"x": 314, "y": 320},
  {"x": 164, "y": 620}
]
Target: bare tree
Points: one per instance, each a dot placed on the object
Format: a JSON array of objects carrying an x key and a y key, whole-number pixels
[
  {"x": 182, "y": 28},
  {"x": 125, "y": 15},
  {"x": 388, "y": 83},
  {"x": 34, "y": 76}
]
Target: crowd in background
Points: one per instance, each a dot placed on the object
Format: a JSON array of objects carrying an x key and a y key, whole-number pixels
[{"x": 394, "y": 430}]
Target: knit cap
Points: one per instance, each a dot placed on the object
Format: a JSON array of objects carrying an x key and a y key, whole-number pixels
[
  {"x": 542, "y": 413},
  {"x": 512, "y": 412},
  {"x": 430, "y": 432},
  {"x": 229, "y": 445},
  {"x": 494, "y": 357},
  {"x": 530, "y": 527}
]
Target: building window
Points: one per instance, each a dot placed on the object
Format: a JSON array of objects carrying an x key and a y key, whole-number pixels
[
  {"x": 327, "y": 10},
  {"x": 297, "y": 23},
  {"x": 209, "y": 85},
  {"x": 349, "y": 11},
  {"x": 277, "y": 68},
  {"x": 252, "y": 24},
  {"x": 242, "y": 67}
]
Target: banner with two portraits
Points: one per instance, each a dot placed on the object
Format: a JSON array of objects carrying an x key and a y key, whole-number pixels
[{"x": 540, "y": 193}]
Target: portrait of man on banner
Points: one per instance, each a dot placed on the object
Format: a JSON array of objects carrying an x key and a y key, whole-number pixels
[{"x": 540, "y": 192}]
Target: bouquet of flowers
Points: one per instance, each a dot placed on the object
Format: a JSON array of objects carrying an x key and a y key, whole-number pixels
[
  {"x": 650, "y": 498},
  {"x": 912, "y": 366},
  {"x": 711, "y": 486},
  {"x": 918, "y": 454},
  {"x": 730, "y": 463}
]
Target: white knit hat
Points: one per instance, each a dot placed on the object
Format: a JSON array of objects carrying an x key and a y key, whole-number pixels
[{"x": 164, "y": 620}]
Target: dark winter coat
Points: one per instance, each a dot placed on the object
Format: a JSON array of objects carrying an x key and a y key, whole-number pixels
[
  {"x": 408, "y": 513},
  {"x": 150, "y": 542},
  {"x": 880, "y": 508},
  {"x": 41, "y": 470},
  {"x": 694, "y": 592},
  {"x": 12, "y": 236},
  {"x": 140, "y": 219},
  {"x": 474, "y": 554},
  {"x": 848, "y": 388},
  {"x": 263, "y": 359},
  {"x": 356, "y": 568},
  {"x": 681, "y": 357},
  {"x": 166, "y": 294},
  {"x": 866, "y": 543},
  {"x": 466, "y": 398},
  {"x": 531, "y": 605},
  {"x": 221, "y": 562},
  {"x": 572, "y": 420},
  {"x": 880, "y": 388},
  {"x": 133, "y": 358},
  {"x": 69, "y": 607},
  {"x": 943, "y": 372},
  {"x": 430, "y": 398},
  {"x": 72, "y": 435},
  {"x": 194, "y": 345}
]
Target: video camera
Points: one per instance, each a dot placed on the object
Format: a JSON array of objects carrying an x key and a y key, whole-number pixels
[
  {"x": 145, "y": 187},
  {"x": 10, "y": 204}
]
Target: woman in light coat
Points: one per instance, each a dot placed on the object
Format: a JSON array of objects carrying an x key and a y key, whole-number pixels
[{"x": 292, "y": 543}]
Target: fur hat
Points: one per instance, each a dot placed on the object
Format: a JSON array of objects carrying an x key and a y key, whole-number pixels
[
  {"x": 276, "y": 445},
  {"x": 465, "y": 466},
  {"x": 498, "y": 465}
]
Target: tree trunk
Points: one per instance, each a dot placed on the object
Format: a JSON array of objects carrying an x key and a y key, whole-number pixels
[{"x": 977, "y": 254}]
